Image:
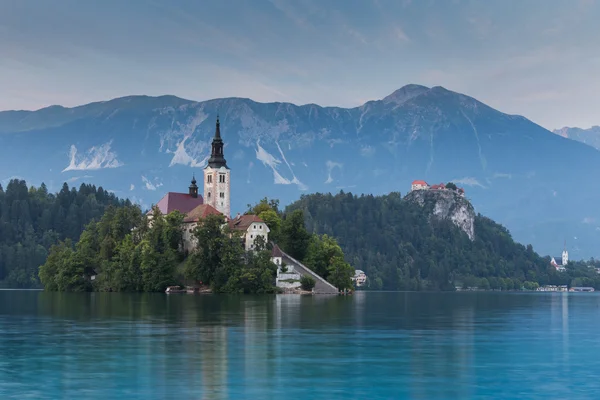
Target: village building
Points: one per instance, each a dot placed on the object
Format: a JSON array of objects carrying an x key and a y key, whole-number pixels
[
  {"x": 561, "y": 262},
  {"x": 216, "y": 201},
  {"x": 359, "y": 278},
  {"x": 251, "y": 227},
  {"x": 419, "y": 185},
  {"x": 422, "y": 185}
]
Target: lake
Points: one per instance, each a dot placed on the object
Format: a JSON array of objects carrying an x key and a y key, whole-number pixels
[{"x": 366, "y": 346}]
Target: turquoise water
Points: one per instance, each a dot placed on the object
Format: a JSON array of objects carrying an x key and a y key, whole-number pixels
[{"x": 366, "y": 346}]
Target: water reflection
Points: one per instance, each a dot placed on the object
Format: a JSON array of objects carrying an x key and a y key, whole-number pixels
[{"x": 370, "y": 345}]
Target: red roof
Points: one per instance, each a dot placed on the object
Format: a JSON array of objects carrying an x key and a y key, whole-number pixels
[
  {"x": 276, "y": 251},
  {"x": 201, "y": 212},
  {"x": 243, "y": 222},
  {"x": 181, "y": 202},
  {"x": 419, "y": 182}
]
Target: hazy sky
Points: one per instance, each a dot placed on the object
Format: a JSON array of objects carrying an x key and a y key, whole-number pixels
[{"x": 537, "y": 58}]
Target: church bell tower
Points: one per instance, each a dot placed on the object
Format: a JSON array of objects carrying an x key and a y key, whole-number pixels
[
  {"x": 217, "y": 183},
  {"x": 194, "y": 188}
]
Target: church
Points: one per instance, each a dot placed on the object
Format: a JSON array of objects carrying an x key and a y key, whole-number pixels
[
  {"x": 216, "y": 201},
  {"x": 561, "y": 262}
]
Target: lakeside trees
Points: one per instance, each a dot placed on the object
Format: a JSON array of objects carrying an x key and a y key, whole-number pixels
[
  {"x": 400, "y": 248},
  {"x": 321, "y": 253},
  {"x": 32, "y": 220},
  {"x": 392, "y": 240}
]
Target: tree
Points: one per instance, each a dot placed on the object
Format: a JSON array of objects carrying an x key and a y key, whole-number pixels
[
  {"x": 400, "y": 247},
  {"x": 307, "y": 283},
  {"x": 340, "y": 273},
  {"x": 32, "y": 220},
  {"x": 294, "y": 237},
  {"x": 451, "y": 186},
  {"x": 273, "y": 221},
  {"x": 320, "y": 254},
  {"x": 204, "y": 262}
]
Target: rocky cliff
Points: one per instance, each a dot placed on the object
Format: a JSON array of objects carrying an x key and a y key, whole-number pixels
[{"x": 446, "y": 204}]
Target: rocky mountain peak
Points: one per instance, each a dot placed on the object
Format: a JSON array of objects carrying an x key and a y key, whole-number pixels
[
  {"x": 446, "y": 204},
  {"x": 405, "y": 93}
]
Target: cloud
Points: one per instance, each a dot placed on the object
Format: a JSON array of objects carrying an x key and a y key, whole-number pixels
[
  {"x": 149, "y": 185},
  {"x": 238, "y": 155},
  {"x": 367, "y": 151},
  {"x": 468, "y": 181},
  {"x": 330, "y": 166},
  {"x": 499, "y": 175},
  {"x": 96, "y": 157},
  {"x": 588, "y": 220},
  {"x": 76, "y": 178},
  {"x": 400, "y": 35},
  {"x": 132, "y": 187}
]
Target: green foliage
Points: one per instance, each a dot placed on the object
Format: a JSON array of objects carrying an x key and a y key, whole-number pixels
[
  {"x": 219, "y": 261},
  {"x": 325, "y": 257},
  {"x": 268, "y": 211},
  {"x": 264, "y": 205},
  {"x": 294, "y": 236},
  {"x": 32, "y": 220},
  {"x": 451, "y": 186},
  {"x": 121, "y": 251},
  {"x": 307, "y": 283},
  {"x": 322, "y": 254},
  {"x": 400, "y": 247}
]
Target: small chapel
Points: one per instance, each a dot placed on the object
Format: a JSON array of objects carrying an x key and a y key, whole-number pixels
[{"x": 216, "y": 201}]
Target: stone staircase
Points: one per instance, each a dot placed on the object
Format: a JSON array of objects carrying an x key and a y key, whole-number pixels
[{"x": 321, "y": 285}]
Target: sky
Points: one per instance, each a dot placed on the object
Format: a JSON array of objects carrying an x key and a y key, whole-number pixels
[{"x": 537, "y": 58}]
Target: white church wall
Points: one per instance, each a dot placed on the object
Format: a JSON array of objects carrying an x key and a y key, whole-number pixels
[{"x": 255, "y": 230}]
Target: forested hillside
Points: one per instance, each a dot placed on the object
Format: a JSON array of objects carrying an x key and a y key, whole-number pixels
[
  {"x": 32, "y": 220},
  {"x": 400, "y": 248},
  {"x": 125, "y": 252}
]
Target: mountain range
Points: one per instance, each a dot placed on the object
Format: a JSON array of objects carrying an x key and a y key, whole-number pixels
[
  {"x": 590, "y": 136},
  {"x": 537, "y": 183}
]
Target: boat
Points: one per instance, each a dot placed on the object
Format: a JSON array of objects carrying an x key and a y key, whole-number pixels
[{"x": 174, "y": 289}]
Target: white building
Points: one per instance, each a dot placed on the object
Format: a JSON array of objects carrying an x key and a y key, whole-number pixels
[
  {"x": 287, "y": 276},
  {"x": 561, "y": 262},
  {"x": 216, "y": 201},
  {"x": 251, "y": 227},
  {"x": 419, "y": 185},
  {"x": 359, "y": 278},
  {"x": 217, "y": 182}
]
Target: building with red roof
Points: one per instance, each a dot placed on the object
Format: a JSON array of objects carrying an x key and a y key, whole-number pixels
[
  {"x": 182, "y": 202},
  {"x": 217, "y": 194},
  {"x": 419, "y": 185},
  {"x": 251, "y": 227}
]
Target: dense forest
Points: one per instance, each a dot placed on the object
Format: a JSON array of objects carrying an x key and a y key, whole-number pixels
[
  {"x": 32, "y": 220},
  {"x": 79, "y": 233},
  {"x": 125, "y": 251},
  {"x": 400, "y": 248}
]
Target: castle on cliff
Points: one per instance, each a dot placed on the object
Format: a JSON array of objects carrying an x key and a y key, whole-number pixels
[{"x": 422, "y": 185}]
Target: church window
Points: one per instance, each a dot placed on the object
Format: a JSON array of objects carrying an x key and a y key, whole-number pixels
[
  {"x": 251, "y": 236},
  {"x": 209, "y": 179},
  {"x": 222, "y": 195},
  {"x": 221, "y": 178},
  {"x": 208, "y": 195}
]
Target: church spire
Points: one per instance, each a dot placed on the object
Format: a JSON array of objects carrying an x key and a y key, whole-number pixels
[
  {"x": 217, "y": 160},
  {"x": 194, "y": 187},
  {"x": 218, "y": 129}
]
